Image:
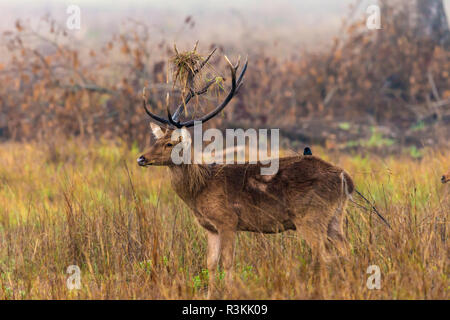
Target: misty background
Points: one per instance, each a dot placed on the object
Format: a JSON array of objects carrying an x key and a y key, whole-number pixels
[
  {"x": 315, "y": 62},
  {"x": 285, "y": 25}
]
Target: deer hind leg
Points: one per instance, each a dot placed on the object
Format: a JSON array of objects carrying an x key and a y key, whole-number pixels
[
  {"x": 335, "y": 234},
  {"x": 313, "y": 230},
  {"x": 212, "y": 260},
  {"x": 314, "y": 237}
]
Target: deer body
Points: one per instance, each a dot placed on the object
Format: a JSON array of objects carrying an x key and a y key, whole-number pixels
[
  {"x": 257, "y": 203},
  {"x": 306, "y": 194}
]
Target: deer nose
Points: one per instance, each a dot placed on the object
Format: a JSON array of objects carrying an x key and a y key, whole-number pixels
[{"x": 141, "y": 161}]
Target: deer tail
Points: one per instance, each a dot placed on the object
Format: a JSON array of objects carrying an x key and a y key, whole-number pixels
[
  {"x": 347, "y": 185},
  {"x": 374, "y": 209},
  {"x": 348, "y": 188}
]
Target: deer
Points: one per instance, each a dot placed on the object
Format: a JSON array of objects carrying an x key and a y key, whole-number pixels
[{"x": 307, "y": 194}]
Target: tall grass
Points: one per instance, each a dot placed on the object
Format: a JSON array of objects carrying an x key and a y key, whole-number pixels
[{"x": 89, "y": 204}]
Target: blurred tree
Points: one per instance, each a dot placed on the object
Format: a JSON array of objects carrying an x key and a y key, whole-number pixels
[
  {"x": 429, "y": 25},
  {"x": 431, "y": 22}
]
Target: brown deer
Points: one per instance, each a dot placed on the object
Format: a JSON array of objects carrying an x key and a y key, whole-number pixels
[
  {"x": 446, "y": 177},
  {"x": 307, "y": 194}
]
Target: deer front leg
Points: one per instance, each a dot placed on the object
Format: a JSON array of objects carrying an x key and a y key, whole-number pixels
[
  {"x": 212, "y": 260},
  {"x": 227, "y": 239}
]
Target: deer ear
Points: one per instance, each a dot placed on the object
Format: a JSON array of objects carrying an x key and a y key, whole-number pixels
[{"x": 156, "y": 130}]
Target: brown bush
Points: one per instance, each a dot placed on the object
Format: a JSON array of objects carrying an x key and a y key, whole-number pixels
[{"x": 390, "y": 76}]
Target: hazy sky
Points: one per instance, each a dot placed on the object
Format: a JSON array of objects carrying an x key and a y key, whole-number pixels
[
  {"x": 176, "y": 3},
  {"x": 282, "y": 20},
  {"x": 303, "y": 21}
]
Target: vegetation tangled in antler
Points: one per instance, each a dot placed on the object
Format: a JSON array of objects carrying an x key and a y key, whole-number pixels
[
  {"x": 187, "y": 74},
  {"x": 185, "y": 65}
]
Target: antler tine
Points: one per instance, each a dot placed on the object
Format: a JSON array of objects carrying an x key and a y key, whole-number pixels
[
  {"x": 239, "y": 82},
  {"x": 152, "y": 115},
  {"x": 241, "y": 76},
  {"x": 234, "y": 86},
  {"x": 237, "y": 64},
  {"x": 202, "y": 64}
]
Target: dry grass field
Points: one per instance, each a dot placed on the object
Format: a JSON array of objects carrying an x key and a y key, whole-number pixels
[{"x": 89, "y": 204}]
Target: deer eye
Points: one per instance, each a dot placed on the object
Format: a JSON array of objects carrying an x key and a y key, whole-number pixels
[{"x": 169, "y": 145}]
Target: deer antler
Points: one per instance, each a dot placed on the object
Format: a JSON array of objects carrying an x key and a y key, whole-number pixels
[
  {"x": 152, "y": 115},
  {"x": 173, "y": 121},
  {"x": 190, "y": 95},
  {"x": 202, "y": 64}
]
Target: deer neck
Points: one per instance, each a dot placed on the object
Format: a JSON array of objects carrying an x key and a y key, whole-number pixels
[{"x": 189, "y": 179}]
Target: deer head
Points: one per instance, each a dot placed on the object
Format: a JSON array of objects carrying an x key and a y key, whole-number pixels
[
  {"x": 168, "y": 136},
  {"x": 160, "y": 153}
]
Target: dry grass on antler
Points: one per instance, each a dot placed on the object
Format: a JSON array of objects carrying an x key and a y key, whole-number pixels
[
  {"x": 184, "y": 65},
  {"x": 189, "y": 71}
]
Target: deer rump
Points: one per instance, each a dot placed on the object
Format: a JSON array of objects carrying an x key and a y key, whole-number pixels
[{"x": 303, "y": 188}]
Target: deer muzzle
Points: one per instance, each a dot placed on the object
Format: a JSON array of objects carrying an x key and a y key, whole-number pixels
[{"x": 142, "y": 161}]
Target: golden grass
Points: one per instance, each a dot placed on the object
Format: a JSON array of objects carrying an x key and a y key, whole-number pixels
[{"x": 75, "y": 204}]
